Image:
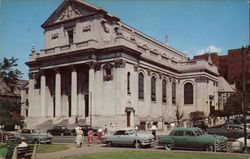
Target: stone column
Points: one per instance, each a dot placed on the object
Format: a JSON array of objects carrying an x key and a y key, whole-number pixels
[
  {"x": 74, "y": 92},
  {"x": 43, "y": 95},
  {"x": 31, "y": 95},
  {"x": 58, "y": 94},
  {"x": 91, "y": 90}
]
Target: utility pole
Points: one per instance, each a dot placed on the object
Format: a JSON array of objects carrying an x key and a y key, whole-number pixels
[{"x": 244, "y": 98}]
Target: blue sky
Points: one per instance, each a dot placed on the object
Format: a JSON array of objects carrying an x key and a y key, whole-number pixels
[{"x": 192, "y": 26}]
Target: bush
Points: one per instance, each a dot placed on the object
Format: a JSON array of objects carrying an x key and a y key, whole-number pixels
[{"x": 197, "y": 115}]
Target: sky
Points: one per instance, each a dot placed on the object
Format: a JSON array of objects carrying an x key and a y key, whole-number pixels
[{"x": 192, "y": 26}]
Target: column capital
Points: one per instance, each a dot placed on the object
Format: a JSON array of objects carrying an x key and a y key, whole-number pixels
[
  {"x": 57, "y": 70},
  {"x": 120, "y": 63}
]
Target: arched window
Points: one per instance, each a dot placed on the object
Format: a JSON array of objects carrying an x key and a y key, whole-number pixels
[
  {"x": 141, "y": 86},
  {"x": 188, "y": 93},
  {"x": 164, "y": 91},
  {"x": 153, "y": 88},
  {"x": 128, "y": 83},
  {"x": 173, "y": 93}
]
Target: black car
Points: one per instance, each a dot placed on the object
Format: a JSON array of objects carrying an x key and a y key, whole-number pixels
[
  {"x": 85, "y": 129},
  {"x": 60, "y": 130},
  {"x": 200, "y": 124}
]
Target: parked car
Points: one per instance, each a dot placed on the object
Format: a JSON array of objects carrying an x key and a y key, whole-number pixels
[
  {"x": 60, "y": 130},
  {"x": 194, "y": 138},
  {"x": 85, "y": 129},
  {"x": 238, "y": 145},
  {"x": 35, "y": 136},
  {"x": 127, "y": 137},
  {"x": 200, "y": 124},
  {"x": 4, "y": 135},
  {"x": 231, "y": 131}
]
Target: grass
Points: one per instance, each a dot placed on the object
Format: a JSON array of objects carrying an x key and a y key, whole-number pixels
[
  {"x": 40, "y": 148},
  {"x": 158, "y": 155}
]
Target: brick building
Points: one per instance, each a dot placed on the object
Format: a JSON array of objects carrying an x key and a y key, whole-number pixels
[{"x": 230, "y": 66}]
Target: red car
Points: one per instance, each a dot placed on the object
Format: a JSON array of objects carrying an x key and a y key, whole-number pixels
[{"x": 5, "y": 135}]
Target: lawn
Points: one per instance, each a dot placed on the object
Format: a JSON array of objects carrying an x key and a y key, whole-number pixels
[
  {"x": 40, "y": 148},
  {"x": 158, "y": 155}
]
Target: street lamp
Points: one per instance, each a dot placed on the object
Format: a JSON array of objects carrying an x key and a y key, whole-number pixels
[{"x": 244, "y": 95}]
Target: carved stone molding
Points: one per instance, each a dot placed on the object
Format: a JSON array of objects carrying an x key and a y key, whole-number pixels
[
  {"x": 148, "y": 71},
  {"x": 120, "y": 63},
  {"x": 118, "y": 31},
  {"x": 54, "y": 36},
  {"x": 91, "y": 64},
  {"x": 86, "y": 28},
  {"x": 136, "y": 66},
  {"x": 201, "y": 79},
  {"x": 104, "y": 26},
  {"x": 160, "y": 75},
  {"x": 108, "y": 66},
  {"x": 108, "y": 78},
  {"x": 97, "y": 66}
]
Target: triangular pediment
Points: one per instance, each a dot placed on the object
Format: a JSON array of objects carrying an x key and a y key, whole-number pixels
[{"x": 71, "y": 9}]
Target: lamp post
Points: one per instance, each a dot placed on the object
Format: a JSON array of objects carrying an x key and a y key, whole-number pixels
[{"x": 244, "y": 107}]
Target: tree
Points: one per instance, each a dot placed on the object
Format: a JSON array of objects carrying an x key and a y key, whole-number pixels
[
  {"x": 233, "y": 105},
  {"x": 197, "y": 115},
  {"x": 10, "y": 104},
  {"x": 9, "y": 76}
]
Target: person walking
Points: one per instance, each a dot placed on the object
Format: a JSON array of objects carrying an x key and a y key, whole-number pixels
[
  {"x": 90, "y": 136},
  {"x": 99, "y": 135},
  {"x": 79, "y": 137},
  {"x": 154, "y": 128},
  {"x": 105, "y": 129}
]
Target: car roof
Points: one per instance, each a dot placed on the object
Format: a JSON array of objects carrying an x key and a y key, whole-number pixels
[
  {"x": 187, "y": 129},
  {"x": 125, "y": 129}
]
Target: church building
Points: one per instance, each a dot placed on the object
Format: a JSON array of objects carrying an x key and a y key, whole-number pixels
[{"x": 96, "y": 70}]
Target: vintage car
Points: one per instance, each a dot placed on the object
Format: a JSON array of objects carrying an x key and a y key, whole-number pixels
[
  {"x": 35, "y": 136},
  {"x": 60, "y": 130},
  {"x": 5, "y": 135},
  {"x": 231, "y": 131},
  {"x": 127, "y": 137},
  {"x": 192, "y": 138},
  {"x": 238, "y": 145}
]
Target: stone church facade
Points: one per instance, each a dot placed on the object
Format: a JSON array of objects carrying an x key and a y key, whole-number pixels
[{"x": 95, "y": 69}]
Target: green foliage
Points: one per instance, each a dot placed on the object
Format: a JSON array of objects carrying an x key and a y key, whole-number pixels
[
  {"x": 233, "y": 105},
  {"x": 8, "y": 106},
  {"x": 9, "y": 76},
  {"x": 197, "y": 115}
]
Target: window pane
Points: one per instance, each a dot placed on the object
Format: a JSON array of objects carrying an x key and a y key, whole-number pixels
[
  {"x": 188, "y": 93},
  {"x": 164, "y": 91},
  {"x": 153, "y": 89},
  {"x": 141, "y": 86},
  {"x": 173, "y": 93}
]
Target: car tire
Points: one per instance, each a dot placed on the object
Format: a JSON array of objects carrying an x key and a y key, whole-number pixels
[
  {"x": 36, "y": 141},
  {"x": 209, "y": 148},
  {"x": 109, "y": 144},
  {"x": 137, "y": 144},
  {"x": 168, "y": 146},
  {"x": 61, "y": 134}
]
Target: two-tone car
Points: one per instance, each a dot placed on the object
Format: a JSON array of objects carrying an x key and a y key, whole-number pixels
[
  {"x": 127, "y": 137},
  {"x": 231, "y": 131},
  {"x": 35, "y": 136},
  {"x": 192, "y": 138}
]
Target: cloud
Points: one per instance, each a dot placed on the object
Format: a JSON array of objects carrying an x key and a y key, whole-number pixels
[{"x": 210, "y": 48}]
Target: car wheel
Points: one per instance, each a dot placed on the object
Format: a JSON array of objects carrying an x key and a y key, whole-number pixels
[
  {"x": 137, "y": 144},
  {"x": 36, "y": 141},
  {"x": 109, "y": 144},
  {"x": 61, "y": 134},
  {"x": 209, "y": 148},
  {"x": 168, "y": 146}
]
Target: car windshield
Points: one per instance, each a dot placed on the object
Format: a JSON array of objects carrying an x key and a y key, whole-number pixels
[{"x": 132, "y": 131}]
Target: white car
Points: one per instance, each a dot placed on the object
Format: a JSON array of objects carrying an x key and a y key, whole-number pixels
[
  {"x": 127, "y": 137},
  {"x": 238, "y": 144}
]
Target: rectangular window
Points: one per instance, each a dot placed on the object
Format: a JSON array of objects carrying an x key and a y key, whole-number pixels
[{"x": 71, "y": 36}]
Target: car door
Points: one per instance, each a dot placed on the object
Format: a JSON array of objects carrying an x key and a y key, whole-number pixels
[
  {"x": 178, "y": 138},
  {"x": 189, "y": 139},
  {"x": 117, "y": 137},
  {"x": 126, "y": 138}
]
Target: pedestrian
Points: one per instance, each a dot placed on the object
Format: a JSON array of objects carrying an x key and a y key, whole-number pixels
[
  {"x": 99, "y": 135},
  {"x": 79, "y": 137},
  {"x": 23, "y": 143},
  {"x": 90, "y": 136},
  {"x": 105, "y": 129},
  {"x": 154, "y": 128}
]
